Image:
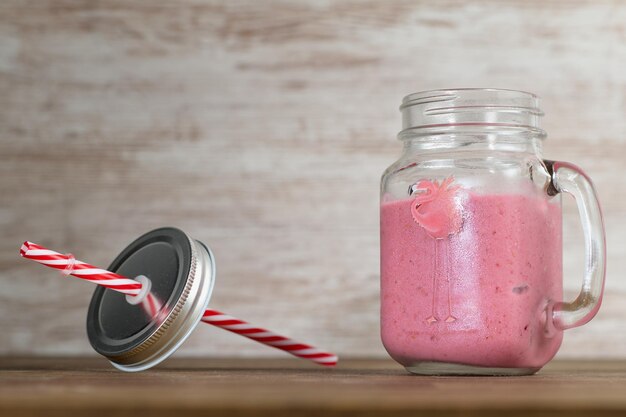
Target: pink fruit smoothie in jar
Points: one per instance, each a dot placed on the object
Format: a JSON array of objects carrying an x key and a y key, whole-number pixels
[
  {"x": 471, "y": 240},
  {"x": 466, "y": 278}
]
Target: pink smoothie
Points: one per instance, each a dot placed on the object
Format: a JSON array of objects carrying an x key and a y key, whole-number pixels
[{"x": 475, "y": 296}]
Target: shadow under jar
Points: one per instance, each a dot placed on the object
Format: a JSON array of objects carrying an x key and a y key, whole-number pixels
[{"x": 471, "y": 238}]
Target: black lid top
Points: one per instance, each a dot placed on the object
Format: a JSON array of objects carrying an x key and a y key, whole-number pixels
[{"x": 114, "y": 326}]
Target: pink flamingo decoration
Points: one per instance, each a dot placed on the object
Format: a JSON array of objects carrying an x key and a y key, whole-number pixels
[{"x": 437, "y": 212}]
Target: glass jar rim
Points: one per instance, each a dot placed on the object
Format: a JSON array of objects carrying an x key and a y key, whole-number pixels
[
  {"x": 446, "y": 110},
  {"x": 440, "y": 92}
]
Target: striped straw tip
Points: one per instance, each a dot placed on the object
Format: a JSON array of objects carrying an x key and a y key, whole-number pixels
[
  {"x": 25, "y": 247},
  {"x": 329, "y": 361}
]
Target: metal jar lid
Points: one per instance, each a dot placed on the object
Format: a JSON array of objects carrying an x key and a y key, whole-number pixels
[{"x": 182, "y": 275}]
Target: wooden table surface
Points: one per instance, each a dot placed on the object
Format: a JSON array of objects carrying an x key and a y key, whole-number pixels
[{"x": 90, "y": 386}]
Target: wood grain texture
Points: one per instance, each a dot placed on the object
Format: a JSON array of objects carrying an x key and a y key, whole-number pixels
[
  {"x": 57, "y": 387},
  {"x": 262, "y": 128}
]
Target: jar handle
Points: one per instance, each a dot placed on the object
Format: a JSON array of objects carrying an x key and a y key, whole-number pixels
[{"x": 570, "y": 179}]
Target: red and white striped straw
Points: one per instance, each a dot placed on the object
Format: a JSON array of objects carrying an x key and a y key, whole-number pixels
[
  {"x": 267, "y": 337},
  {"x": 70, "y": 266}
]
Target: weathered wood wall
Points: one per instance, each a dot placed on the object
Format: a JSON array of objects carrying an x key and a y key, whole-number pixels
[{"x": 261, "y": 128}]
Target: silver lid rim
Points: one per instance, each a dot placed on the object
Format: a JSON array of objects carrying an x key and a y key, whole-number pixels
[{"x": 191, "y": 306}]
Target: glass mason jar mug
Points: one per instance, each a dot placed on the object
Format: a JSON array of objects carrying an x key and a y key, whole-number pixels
[{"x": 471, "y": 240}]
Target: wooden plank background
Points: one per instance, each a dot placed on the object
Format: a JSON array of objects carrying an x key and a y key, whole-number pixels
[{"x": 262, "y": 128}]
